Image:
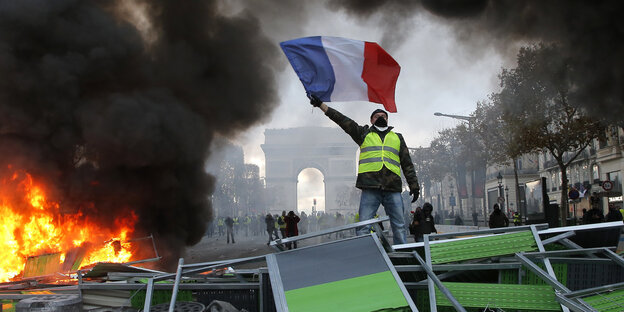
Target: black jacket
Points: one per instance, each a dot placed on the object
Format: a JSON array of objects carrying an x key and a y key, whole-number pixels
[
  {"x": 426, "y": 224},
  {"x": 498, "y": 219}
]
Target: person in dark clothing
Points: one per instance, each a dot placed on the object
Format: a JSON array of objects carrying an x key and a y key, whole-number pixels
[
  {"x": 595, "y": 215},
  {"x": 475, "y": 218},
  {"x": 458, "y": 220},
  {"x": 498, "y": 219},
  {"x": 614, "y": 214},
  {"x": 585, "y": 216},
  {"x": 437, "y": 219},
  {"x": 415, "y": 225},
  {"x": 229, "y": 224},
  {"x": 270, "y": 227},
  {"x": 383, "y": 156},
  {"x": 291, "y": 227},
  {"x": 426, "y": 224}
]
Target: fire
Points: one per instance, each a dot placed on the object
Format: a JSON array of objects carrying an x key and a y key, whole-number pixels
[{"x": 32, "y": 225}]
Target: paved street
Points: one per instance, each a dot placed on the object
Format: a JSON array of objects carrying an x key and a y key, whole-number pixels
[{"x": 216, "y": 248}]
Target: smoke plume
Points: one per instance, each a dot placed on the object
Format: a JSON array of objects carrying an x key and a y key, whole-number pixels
[
  {"x": 590, "y": 32},
  {"x": 114, "y": 107}
]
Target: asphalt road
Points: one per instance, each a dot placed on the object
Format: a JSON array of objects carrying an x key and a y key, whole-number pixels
[{"x": 216, "y": 248}]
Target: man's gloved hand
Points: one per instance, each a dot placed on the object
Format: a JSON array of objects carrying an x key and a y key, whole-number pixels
[
  {"x": 314, "y": 100},
  {"x": 415, "y": 193}
]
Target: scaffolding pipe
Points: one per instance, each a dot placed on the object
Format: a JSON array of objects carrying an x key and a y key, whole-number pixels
[{"x": 176, "y": 285}]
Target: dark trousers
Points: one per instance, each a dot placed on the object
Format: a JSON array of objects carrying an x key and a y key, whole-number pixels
[
  {"x": 230, "y": 233},
  {"x": 290, "y": 245},
  {"x": 272, "y": 232}
]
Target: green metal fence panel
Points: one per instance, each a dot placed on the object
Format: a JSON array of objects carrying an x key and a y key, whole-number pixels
[
  {"x": 530, "y": 278},
  {"x": 612, "y": 301},
  {"x": 503, "y": 296},
  {"x": 482, "y": 247}
]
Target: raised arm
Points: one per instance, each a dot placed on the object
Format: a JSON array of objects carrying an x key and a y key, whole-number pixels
[{"x": 355, "y": 131}]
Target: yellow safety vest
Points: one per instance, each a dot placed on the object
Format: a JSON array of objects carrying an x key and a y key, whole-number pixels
[{"x": 374, "y": 154}]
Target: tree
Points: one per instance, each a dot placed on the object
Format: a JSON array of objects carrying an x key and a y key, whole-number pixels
[
  {"x": 252, "y": 189},
  {"x": 447, "y": 150},
  {"x": 473, "y": 155},
  {"x": 499, "y": 129},
  {"x": 536, "y": 102},
  {"x": 238, "y": 188}
]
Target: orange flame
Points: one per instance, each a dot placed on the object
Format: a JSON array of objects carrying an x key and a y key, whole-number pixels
[{"x": 32, "y": 225}]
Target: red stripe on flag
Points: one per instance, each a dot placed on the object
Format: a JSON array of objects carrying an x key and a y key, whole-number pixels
[{"x": 380, "y": 73}]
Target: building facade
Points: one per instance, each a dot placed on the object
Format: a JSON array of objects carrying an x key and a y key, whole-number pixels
[{"x": 587, "y": 174}]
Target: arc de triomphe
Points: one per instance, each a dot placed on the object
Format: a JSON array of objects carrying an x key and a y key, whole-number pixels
[{"x": 288, "y": 151}]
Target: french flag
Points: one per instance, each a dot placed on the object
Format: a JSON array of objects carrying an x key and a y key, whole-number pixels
[{"x": 340, "y": 69}]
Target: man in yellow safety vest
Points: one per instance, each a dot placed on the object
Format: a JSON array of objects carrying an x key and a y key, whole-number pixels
[{"x": 383, "y": 154}]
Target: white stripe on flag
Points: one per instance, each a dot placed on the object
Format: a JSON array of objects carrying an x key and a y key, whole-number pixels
[{"x": 347, "y": 59}]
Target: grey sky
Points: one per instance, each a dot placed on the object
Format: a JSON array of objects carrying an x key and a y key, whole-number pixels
[{"x": 438, "y": 73}]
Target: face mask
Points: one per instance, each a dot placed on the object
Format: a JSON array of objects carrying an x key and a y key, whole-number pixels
[{"x": 381, "y": 122}]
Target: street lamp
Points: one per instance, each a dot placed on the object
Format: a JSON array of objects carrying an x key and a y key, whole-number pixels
[
  {"x": 469, "y": 119},
  {"x": 507, "y": 198},
  {"x": 499, "y": 177},
  {"x": 452, "y": 198}
]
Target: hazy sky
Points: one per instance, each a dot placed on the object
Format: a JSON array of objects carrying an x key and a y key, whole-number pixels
[{"x": 438, "y": 74}]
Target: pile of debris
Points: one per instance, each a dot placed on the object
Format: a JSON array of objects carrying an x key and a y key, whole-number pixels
[{"x": 521, "y": 268}]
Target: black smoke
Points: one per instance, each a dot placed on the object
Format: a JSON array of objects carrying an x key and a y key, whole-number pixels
[
  {"x": 116, "y": 113},
  {"x": 591, "y": 34}
]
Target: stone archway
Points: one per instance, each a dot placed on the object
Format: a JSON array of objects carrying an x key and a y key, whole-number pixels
[{"x": 288, "y": 151}]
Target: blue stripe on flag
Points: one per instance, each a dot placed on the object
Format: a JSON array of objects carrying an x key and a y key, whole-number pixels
[{"x": 309, "y": 60}]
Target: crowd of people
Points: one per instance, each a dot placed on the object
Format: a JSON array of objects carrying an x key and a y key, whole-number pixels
[
  {"x": 276, "y": 226},
  {"x": 423, "y": 221},
  {"x": 595, "y": 215}
]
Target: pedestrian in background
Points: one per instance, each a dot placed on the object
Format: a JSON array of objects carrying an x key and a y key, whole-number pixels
[
  {"x": 516, "y": 218},
  {"x": 221, "y": 225},
  {"x": 270, "y": 227},
  {"x": 291, "y": 227},
  {"x": 614, "y": 214},
  {"x": 229, "y": 225},
  {"x": 426, "y": 224},
  {"x": 282, "y": 223},
  {"x": 475, "y": 218},
  {"x": 595, "y": 215},
  {"x": 458, "y": 220},
  {"x": 498, "y": 219},
  {"x": 415, "y": 225}
]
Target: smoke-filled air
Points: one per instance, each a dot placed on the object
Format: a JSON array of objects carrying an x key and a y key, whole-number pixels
[
  {"x": 590, "y": 34},
  {"x": 110, "y": 106}
]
